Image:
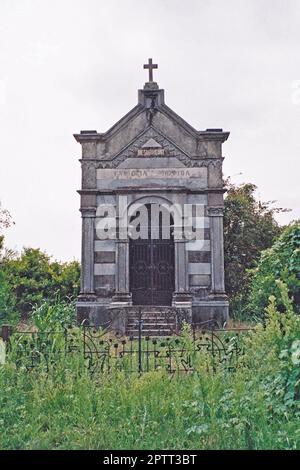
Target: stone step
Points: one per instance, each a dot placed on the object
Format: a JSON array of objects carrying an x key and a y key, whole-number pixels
[
  {"x": 147, "y": 308},
  {"x": 152, "y": 320},
  {"x": 151, "y": 326},
  {"x": 146, "y": 317},
  {"x": 157, "y": 332},
  {"x": 155, "y": 322},
  {"x": 152, "y": 317},
  {"x": 151, "y": 312},
  {"x": 147, "y": 312}
]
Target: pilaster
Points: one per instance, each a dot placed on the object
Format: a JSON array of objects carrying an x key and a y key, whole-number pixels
[
  {"x": 87, "y": 254},
  {"x": 217, "y": 252}
]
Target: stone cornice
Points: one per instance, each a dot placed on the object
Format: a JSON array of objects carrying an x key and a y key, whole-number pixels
[
  {"x": 180, "y": 189},
  {"x": 88, "y": 137},
  {"x": 213, "y": 135}
]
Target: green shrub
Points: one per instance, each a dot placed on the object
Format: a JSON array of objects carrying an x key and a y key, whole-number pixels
[
  {"x": 8, "y": 312},
  {"x": 53, "y": 316},
  {"x": 281, "y": 262},
  {"x": 33, "y": 279},
  {"x": 249, "y": 227}
]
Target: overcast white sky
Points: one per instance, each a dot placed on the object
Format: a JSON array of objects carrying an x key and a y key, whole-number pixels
[{"x": 68, "y": 65}]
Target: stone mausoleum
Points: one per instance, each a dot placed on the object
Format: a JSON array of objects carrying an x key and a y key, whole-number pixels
[{"x": 152, "y": 156}]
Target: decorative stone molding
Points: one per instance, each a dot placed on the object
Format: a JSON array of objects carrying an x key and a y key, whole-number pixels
[
  {"x": 89, "y": 164},
  {"x": 189, "y": 162},
  {"x": 124, "y": 298},
  {"x": 87, "y": 297},
  {"x": 171, "y": 150}
]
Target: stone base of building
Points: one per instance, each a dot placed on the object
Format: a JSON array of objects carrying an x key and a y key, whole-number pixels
[
  {"x": 215, "y": 312},
  {"x": 114, "y": 316}
]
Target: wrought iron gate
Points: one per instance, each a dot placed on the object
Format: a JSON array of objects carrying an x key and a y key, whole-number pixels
[
  {"x": 151, "y": 271},
  {"x": 151, "y": 263}
]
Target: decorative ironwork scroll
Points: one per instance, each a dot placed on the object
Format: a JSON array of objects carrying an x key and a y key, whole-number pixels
[{"x": 187, "y": 348}]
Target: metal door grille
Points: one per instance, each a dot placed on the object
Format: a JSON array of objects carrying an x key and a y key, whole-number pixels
[{"x": 151, "y": 264}]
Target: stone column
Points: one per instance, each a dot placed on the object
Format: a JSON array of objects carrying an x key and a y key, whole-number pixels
[
  {"x": 87, "y": 254},
  {"x": 181, "y": 294},
  {"x": 122, "y": 294},
  {"x": 217, "y": 252}
]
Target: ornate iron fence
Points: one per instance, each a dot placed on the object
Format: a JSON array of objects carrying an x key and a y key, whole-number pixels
[
  {"x": 29, "y": 349},
  {"x": 180, "y": 352},
  {"x": 105, "y": 351}
]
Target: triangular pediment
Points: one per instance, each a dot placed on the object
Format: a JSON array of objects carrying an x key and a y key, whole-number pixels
[{"x": 150, "y": 143}]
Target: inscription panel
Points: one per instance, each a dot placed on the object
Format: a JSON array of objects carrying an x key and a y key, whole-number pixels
[
  {"x": 151, "y": 152},
  {"x": 114, "y": 178},
  {"x": 137, "y": 173}
]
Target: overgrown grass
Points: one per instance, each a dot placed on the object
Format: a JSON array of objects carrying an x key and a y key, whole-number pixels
[{"x": 255, "y": 407}]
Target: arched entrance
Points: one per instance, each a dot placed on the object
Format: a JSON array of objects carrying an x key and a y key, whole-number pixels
[{"x": 151, "y": 261}]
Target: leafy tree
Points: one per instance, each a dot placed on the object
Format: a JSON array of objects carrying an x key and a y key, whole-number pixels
[
  {"x": 34, "y": 278},
  {"x": 249, "y": 228},
  {"x": 5, "y": 222},
  {"x": 7, "y": 310},
  {"x": 280, "y": 263},
  {"x": 66, "y": 278}
]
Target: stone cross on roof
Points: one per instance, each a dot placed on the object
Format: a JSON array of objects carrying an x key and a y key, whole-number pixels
[{"x": 150, "y": 66}]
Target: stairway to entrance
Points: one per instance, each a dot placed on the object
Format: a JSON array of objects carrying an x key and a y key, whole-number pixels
[{"x": 156, "y": 321}]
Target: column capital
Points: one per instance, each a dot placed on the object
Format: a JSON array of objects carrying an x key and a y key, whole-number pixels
[
  {"x": 89, "y": 163},
  {"x": 215, "y": 211},
  {"x": 88, "y": 212}
]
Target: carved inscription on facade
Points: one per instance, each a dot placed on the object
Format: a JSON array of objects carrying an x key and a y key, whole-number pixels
[
  {"x": 137, "y": 173},
  {"x": 151, "y": 152}
]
